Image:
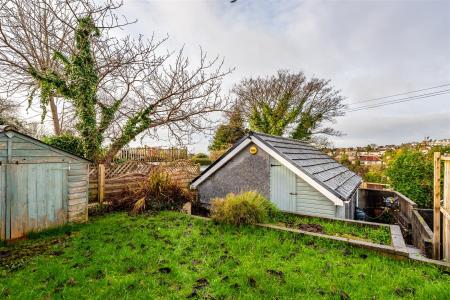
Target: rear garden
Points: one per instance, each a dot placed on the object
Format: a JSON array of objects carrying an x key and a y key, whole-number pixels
[{"x": 172, "y": 255}]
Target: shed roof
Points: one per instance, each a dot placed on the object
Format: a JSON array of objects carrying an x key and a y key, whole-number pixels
[
  {"x": 7, "y": 128},
  {"x": 321, "y": 168},
  {"x": 318, "y": 165}
]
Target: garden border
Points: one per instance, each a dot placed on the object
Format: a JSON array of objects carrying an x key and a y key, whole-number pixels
[{"x": 397, "y": 250}]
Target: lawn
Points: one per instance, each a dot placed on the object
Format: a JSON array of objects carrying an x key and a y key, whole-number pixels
[
  {"x": 378, "y": 235},
  {"x": 171, "y": 256}
]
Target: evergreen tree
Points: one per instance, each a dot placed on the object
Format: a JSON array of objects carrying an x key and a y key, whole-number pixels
[{"x": 228, "y": 134}]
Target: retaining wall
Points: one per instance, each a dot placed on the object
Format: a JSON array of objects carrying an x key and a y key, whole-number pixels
[{"x": 415, "y": 229}]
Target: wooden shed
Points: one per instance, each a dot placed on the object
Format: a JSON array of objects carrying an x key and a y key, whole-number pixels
[
  {"x": 40, "y": 186},
  {"x": 294, "y": 175}
]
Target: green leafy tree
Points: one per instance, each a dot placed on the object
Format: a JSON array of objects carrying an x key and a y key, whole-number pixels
[
  {"x": 228, "y": 134},
  {"x": 289, "y": 104},
  {"x": 410, "y": 172}
]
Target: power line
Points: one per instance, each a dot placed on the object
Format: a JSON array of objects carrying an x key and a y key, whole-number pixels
[
  {"x": 401, "y": 94},
  {"x": 414, "y": 96},
  {"x": 400, "y": 100},
  {"x": 396, "y": 101}
]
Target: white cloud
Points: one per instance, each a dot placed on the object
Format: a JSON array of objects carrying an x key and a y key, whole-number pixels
[{"x": 368, "y": 49}]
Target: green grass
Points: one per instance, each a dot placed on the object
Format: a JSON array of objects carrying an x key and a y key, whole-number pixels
[
  {"x": 378, "y": 235},
  {"x": 172, "y": 256}
]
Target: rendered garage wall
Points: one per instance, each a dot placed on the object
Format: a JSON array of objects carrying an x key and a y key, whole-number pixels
[{"x": 244, "y": 172}]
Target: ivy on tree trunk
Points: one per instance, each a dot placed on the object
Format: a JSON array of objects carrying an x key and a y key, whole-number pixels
[{"x": 78, "y": 83}]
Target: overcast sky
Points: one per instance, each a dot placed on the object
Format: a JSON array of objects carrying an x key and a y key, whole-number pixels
[{"x": 368, "y": 49}]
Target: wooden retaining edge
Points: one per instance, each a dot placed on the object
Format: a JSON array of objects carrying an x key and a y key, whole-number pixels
[
  {"x": 390, "y": 250},
  {"x": 356, "y": 222},
  {"x": 397, "y": 250}
]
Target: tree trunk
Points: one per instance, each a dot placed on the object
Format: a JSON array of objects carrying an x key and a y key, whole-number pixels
[
  {"x": 111, "y": 153},
  {"x": 55, "y": 117}
]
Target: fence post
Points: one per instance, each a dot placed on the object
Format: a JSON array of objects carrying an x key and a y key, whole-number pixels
[
  {"x": 101, "y": 183},
  {"x": 437, "y": 206},
  {"x": 445, "y": 209}
]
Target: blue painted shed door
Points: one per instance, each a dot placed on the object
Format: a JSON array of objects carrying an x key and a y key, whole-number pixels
[
  {"x": 282, "y": 186},
  {"x": 36, "y": 196}
]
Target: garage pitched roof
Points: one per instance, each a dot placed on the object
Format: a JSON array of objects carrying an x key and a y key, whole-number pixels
[
  {"x": 322, "y": 169},
  {"x": 318, "y": 165}
]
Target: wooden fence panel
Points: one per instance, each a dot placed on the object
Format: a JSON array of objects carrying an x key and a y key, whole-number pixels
[{"x": 120, "y": 178}]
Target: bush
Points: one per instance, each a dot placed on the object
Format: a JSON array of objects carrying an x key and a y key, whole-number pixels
[
  {"x": 66, "y": 142},
  {"x": 201, "y": 159},
  {"x": 242, "y": 209},
  {"x": 158, "y": 193},
  {"x": 411, "y": 173},
  {"x": 216, "y": 154}
]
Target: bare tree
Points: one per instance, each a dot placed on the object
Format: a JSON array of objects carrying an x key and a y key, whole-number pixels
[
  {"x": 139, "y": 86},
  {"x": 290, "y": 104}
]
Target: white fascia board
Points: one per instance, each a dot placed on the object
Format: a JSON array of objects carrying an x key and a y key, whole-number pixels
[
  {"x": 333, "y": 198},
  {"x": 221, "y": 162}
]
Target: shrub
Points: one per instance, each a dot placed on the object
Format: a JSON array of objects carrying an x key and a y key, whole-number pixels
[
  {"x": 158, "y": 193},
  {"x": 411, "y": 173},
  {"x": 242, "y": 209},
  {"x": 201, "y": 159},
  {"x": 216, "y": 154},
  {"x": 66, "y": 142}
]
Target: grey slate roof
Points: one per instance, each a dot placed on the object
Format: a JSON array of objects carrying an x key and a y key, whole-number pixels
[{"x": 319, "y": 166}]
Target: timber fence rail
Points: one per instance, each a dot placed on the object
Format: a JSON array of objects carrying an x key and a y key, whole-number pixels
[
  {"x": 112, "y": 181},
  {"x": 151, "y": 154}
]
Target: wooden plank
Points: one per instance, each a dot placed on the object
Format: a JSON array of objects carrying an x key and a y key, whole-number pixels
[
  {"x": 76, "y": 172},
  {"x": 2, "y": 203},
  {"x": 101, "y": 183},
  {"x": 76, "y": 184},
  {"x": 75, "y": 190},
  {"x": 445, "y": 210},
  {"x": 9, "y": 154},
  {"x": 437, "y": 204},
  {"x": 77, "y": 201},
  {"x": 36, "y": 153},
  {"x": 78, "y": 178},
  {"x": 32, "y": 200}
]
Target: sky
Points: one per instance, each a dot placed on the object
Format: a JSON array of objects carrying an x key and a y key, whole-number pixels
[{"x": 368, "y": 49}]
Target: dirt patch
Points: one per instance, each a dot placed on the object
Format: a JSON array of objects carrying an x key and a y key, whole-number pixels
[
  {"x": 311, "y": 228},
  {"x": 16, "y": 256}
]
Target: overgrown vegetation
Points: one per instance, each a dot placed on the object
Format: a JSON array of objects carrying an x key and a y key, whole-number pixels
[
  {"x": 411, "y": 173},
  {"x": 378, "y": 235},
  {"x": 177, "y": 256},
  {"x": 229, "y": 133},
  {"x": 67, "y": 142},
  {"x": 408, "y": 170},
  {"x": 201, "y": 158},
  {"x": 159, "y": 192},
  {"x": 242, "y": 209}
]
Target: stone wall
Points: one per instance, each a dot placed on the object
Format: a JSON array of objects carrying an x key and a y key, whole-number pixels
[{"x": 244, "y": 172}]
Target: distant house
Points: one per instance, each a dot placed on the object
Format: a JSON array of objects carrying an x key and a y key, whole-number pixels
[
  {"x": 370, "y": 160},
  {"x": 294, "y": 175}
]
